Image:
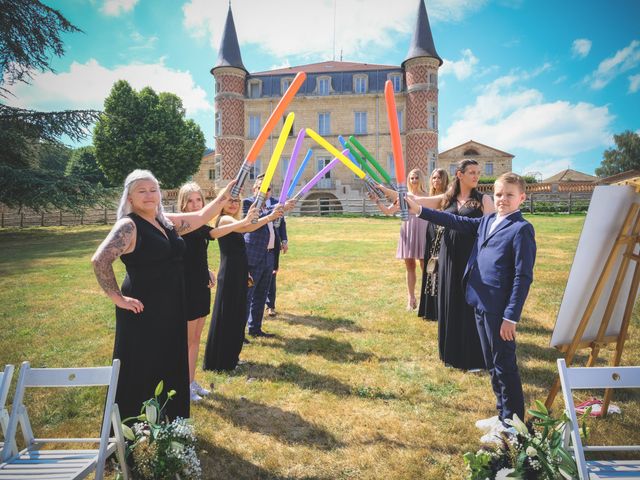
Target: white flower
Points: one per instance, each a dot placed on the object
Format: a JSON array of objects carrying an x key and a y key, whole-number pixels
[
  {"x": 531, "y": 452},
  {"x": 151, "y": 412},
  {"x": 502, "y": 474},
  {"x": 516, "y": 423}
]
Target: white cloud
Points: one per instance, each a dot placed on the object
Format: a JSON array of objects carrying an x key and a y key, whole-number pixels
[
  {"x": 462, "y": 68},
  {"x": 141, "y": 42},
  {"x": 277, "y": 26},
  {"x": 508, "y": 116},
  {"x": 610, "y": 68},
  {"x": 114, "y": 8},
  {"x": 548, "y": 167},
  {"x": 581, "y": 47},
  {"x": 87, "y": 85},
  {"x": 560, "y": 79},
  {"x": 634, "y": 83}
]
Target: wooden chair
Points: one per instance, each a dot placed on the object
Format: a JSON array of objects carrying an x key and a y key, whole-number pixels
[
  {"x": 582, "y": 378},
  {"x": 34, "y": 462},
  {"x": 5, "y": 383}
]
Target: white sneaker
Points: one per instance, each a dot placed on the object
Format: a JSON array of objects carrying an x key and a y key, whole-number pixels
[
  {"x": 199, "y": 389},
  {"x": 488, "y": 424},
  {"x": 195, "y": 398},
  {"x": 496, "y": 435}
]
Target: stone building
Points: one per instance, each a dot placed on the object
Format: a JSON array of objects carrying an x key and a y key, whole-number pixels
[
  {"x": 337, "y": 98},
  {"x": 493, "y": 162}
]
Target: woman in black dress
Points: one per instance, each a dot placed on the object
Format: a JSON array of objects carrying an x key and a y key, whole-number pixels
[
  {"x": 428, "y": 309},
  {"x": 226, "y": 332},
  {"x": 151, "y": 310}
]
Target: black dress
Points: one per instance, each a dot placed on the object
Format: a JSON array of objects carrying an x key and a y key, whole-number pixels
[
  {"x": 457, "y": 333},
  {"x": 152, "y": 345},
  {"x": 226, "y": 332},
  {"x": 428, "y": 308},
  {"x": 196, "y": 273}
]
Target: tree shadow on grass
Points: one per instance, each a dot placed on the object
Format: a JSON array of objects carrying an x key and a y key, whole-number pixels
[
  {"x": 218, "y": 462},
  {"x": 287, "y": 427},
  {"x": 295, "y": 374},
  {"x": 321, "y": 323},
  {"x": 327, "y": 347}
]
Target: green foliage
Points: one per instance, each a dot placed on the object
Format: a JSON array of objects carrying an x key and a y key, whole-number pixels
[
  {"x": 83, "y": 165},
  {"x": 147, "y": 130},
  {"x": 490, "y": 180},
  {"x": 626, "y": 155},
  {"x": 32, "y": 158}
]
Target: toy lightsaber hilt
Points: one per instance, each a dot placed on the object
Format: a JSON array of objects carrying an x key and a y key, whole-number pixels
[
  {"x": 402, "y": 199},
  {"x": 243, "y": 174},
  {"x": 258, "y": 204},
  {"x": 277, "y": 222},
  {"x": 372, "y": 187}
]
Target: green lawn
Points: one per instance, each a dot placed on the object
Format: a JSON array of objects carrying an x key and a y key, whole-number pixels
[{"x": 351, "y": 387}]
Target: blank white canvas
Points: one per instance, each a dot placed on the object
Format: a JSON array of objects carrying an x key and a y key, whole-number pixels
[{"x": 607, "y": 211}]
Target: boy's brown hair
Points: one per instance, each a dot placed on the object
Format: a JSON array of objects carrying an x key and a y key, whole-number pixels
[{"x": 513, "y": 179}]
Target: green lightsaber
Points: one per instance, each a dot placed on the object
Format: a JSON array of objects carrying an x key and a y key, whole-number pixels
[{"x": 370, "y": 158}]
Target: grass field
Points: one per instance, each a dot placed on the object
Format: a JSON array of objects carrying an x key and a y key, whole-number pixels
[{"x": 350, "y": 388}]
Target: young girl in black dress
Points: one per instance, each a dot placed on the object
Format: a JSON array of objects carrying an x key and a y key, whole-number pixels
[{"x": 198, "y": 278}]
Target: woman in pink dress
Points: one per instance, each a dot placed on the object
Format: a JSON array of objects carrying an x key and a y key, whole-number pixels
[{"x": 413, "y": 234}]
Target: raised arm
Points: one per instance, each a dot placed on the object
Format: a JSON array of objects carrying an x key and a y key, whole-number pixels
[
  {"x": 446, "y": 219},
  {"x": 487, "y": 205},
  {"x": 277, "y": 212},
  {"x": 121, "y": 240},
  {"x": 228, "y": 224},
  {"x": 188, "y": 222},
  {"x": 429, "y": 202}
]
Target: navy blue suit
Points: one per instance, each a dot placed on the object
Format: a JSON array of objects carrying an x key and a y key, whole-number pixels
[
  {"x": 496, "y": 281},
  {"x": 281, "y": 236},
  {"x": 261, "y": 260}
]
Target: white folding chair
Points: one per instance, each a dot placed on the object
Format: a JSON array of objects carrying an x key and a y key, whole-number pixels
[
  {"x": 34, "y": 462},
  {"x": 582, "y": 378},
  {"x": 5, "y": 383}
]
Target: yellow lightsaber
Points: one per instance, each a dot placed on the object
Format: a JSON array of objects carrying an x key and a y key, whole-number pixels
[
  {"x": 277, "y": 152},
  {"x": 336, "y": 153}
]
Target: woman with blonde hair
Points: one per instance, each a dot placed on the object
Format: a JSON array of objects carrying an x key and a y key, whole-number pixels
[
  {"x": 412, "y": 238},
  {"x": 229, "y": 318},
  {"x": 151, "y": 310}
]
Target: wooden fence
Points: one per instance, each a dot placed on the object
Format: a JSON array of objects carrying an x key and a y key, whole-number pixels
[{"x": 540, "y": 200}]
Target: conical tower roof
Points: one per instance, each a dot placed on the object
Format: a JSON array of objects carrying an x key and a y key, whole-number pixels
[
  {"x": 422, "y": 42},
  {"x": 229, "y": 52}
]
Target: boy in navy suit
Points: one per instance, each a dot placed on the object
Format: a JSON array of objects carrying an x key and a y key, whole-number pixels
[{"x": 496, "y": 281}]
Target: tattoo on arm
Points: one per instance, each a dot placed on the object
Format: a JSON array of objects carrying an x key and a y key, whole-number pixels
[
  {"x": 183, "y": 227},
  {"x": 116, "y": 243}
]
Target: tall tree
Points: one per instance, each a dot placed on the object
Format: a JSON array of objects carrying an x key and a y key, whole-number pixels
[
  {"x": 147, "y": 130},
  {"x": 626, "y": 155},
  {"x": 83, "y": 165},
  {"x": 30, "y": 32}
]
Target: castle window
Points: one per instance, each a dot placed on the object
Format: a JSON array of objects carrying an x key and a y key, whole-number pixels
[
  {"x": 432, "y": 162},
  {"x": 488, "y": 169},
  {"x": 360, "y": 123},
  {"x": 324, "y": 123},
  {"x": 212, "y": 174},
  {"x": 255, "y": 88},
  {"x": 324, "y": 85},
  {"x": 360, "y": 83},
  {"x": 218, "y": 124},
  {"x": 452, "y": 169},
  {"x": 433, "y": 117},
  {"x": 286, "y": 83},
  {"x": 433, "y": 80},
  {"x": 396, "y": 79},
  {"x": 323, "y": 162},
  {"x": 217, "y": 166},
  {"x": 400, "y": 119},
  {"x": 254, "y": 126},
  {"x": 470, "y": 152},
  {"x": 254, "y": 171},
  {"x": 391, "y": 167}
]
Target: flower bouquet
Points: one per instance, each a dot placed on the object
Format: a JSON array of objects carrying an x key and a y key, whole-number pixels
[
  {"x": 158, "y": 449},
  {"x": 535, "y": 452}
]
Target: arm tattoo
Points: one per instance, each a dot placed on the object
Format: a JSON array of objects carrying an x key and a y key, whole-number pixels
[
  {"x": 183, "y": 227},
  {"x": 111, "y": 248}
]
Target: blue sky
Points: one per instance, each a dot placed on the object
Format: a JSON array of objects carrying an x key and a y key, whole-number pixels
[{"x": 548, "y": 81}]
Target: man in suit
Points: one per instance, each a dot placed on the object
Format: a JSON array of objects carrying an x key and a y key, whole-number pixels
[
  {"x": 496, "y": 281},
  {"x": 281, "y": 246}
]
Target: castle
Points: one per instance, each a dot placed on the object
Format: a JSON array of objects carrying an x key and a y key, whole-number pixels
[{"x": 337, "y": 98}]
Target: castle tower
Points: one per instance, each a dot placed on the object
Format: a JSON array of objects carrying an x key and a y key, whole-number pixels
[
  {"x": 421, "y": 71},
  {"x": 229, "y": 74}
]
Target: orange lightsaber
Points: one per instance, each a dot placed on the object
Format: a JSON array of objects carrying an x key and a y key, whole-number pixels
[{"x": 394, "y": 131}]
